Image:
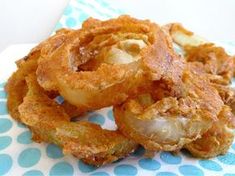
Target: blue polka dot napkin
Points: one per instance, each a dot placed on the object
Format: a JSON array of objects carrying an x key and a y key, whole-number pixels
[{"x": 20, "y": 156}]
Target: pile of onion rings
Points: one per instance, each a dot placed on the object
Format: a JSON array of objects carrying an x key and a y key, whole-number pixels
[
  {"x": 120, "y": 56},
  {"x": 161, "y": 100},
  {"x": 218, "y": 67}
]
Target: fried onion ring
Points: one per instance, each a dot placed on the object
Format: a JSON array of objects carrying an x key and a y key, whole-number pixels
[
  {"x": 217, "y": 63},
  {"x": 106, "y": 62},
  {"x": 50, "y": 123},
  {"x": 217, "y": 140},
  {"x": 16, "y": 86},
  {"x": 218, "y": 66},
  {"x": 173, "y": 120},
  {"x": 161, "y": 100}
]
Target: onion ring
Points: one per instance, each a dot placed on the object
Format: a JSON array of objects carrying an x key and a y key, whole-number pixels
[
  {"x": 171, "y": 121},
  {"x": 160, "y": 101},
  {"x": 106, "y": 62},
  {"x": 16, "y": 86},
  {"x": 217, "y": 140},
  {"x": 218, "y": 66},
  {"x": 217, "y": 63},
  {"x": 87, "y": 141}
]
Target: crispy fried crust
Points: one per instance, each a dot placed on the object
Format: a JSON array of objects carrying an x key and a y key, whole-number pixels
[
  {"x": 217, "y": 140},
  {"x": 215, "y": 60},
  {"x": 16, "y": 86},
  {"x": 49, "y": 122},
  {"x": 160, "y": 101},
  {"x": 218, "y": 66},
  {"x": 83, "y": 74},
  {"x": 169, "y": 123}
]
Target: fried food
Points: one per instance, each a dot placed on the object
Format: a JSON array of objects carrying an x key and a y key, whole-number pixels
[
  {"x": 16, "y": 86},
  {"x": 218, "y": 66},
  {"x": 106, "y": 62},
  {"x": 217, "y": 140},
  {"x": 182, "y": 36},
  {"x": 172, "y": 121},
  {"x": 49, "y": 122},
  {"x": 215, "y": 60},
  {"x": 161, "y": 100}
]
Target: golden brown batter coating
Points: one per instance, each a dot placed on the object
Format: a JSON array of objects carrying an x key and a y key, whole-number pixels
[
  {"x": 106, "y": 62},
  {"x": 50, "y": 123},
  {"x": 16, "y": 86},
  {"x": 218, "y": 67},
  {"x": 184, "y": 115}
]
